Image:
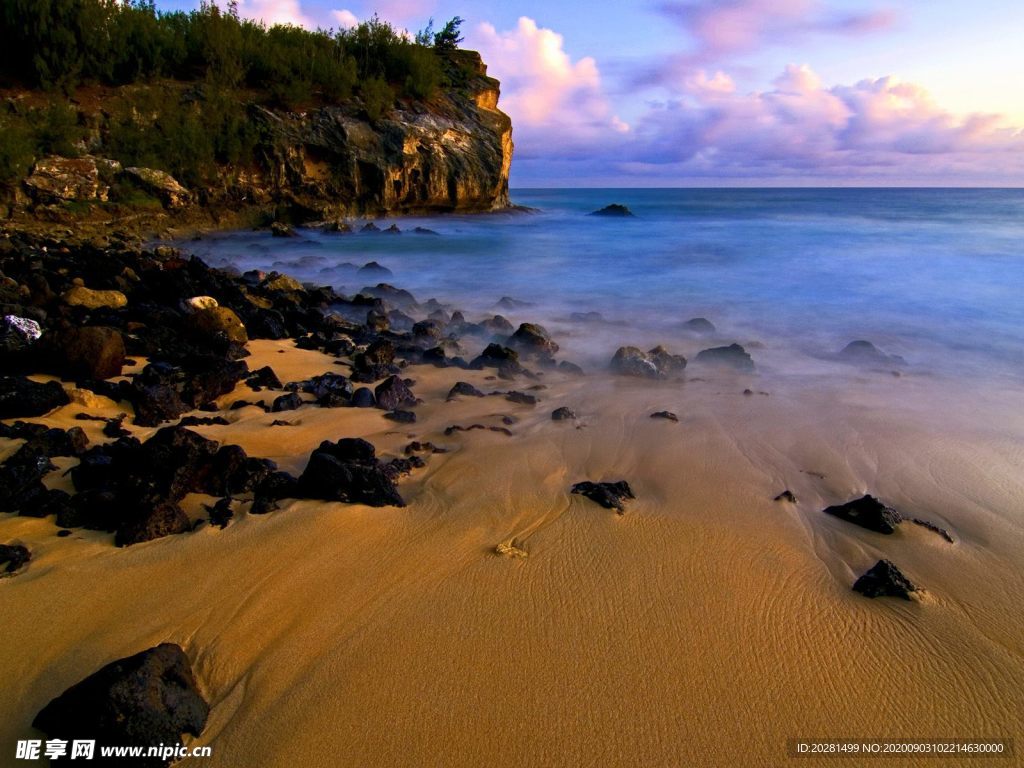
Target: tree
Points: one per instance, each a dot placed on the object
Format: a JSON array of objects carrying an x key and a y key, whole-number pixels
[{"x": 448, "y": 38}]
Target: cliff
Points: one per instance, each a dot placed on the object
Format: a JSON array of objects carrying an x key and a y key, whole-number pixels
[{"x": 448, "y": 153}]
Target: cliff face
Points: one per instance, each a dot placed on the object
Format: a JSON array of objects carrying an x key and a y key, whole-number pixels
[{"x": 451, "y": 154}]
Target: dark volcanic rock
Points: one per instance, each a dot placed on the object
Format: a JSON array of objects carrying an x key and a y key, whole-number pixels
[
  {"x": 13, "y": 557},
  {"x": 144, "y": 700},
  {"x": 156, "y": 403},
  {"x": 786, "y": 495},
  {"x": 615, "y": 210},
  {"x": 288, "y": 402},
  {"x": 465, "y": 389},
  {"x": 563, "y": 414},
  {"x": 348, "y": 471},
  {"x": 868, "y": 512},
  {"x": 862, "y": 352},
  {"x": 658, "y": 363},
  {"x": 164, "y": 519},
  {"x": 497, "y": 356},
  {"x": 376, "y": 362},
  {"x": 521, "y": 397},
  {"x": 363, "y": 398},
  {"x": 20, "y": 396},
  {"x": 608, "y": 495},
  {"x": 884, "y": 580},
  {"x": 91, "y": 352},
  {"x": 933, "y": 528},
  {"x": 402, "y": 417},
  {"x": 732, "y": 356},
  {"x": 392, "y": 393},
  {"x": 667, "y": 415},
  {"x": 264, "y": 377},
  {"x": 373, "y": 269},
  {"x": 533, "y": 339},
  {"x": 699, "y": 325}
]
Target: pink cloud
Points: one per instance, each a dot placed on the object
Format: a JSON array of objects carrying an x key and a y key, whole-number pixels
[
  {"x": 546, "y": 92},
  {"x": 275, "y": 12},
  {"x": 345, "y": 19}
]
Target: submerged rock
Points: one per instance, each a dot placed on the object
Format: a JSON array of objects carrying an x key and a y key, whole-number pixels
[
  {"x": 884, "y": 580},
  {"x": 733, "y": 356},
  {"x": 613, "y": 210},
  {"x": 144, "y": 700},
  {"x": 867, "y": 512},
  {"x": 563, "y": 414},
  {"x": 608, "y": 495}
]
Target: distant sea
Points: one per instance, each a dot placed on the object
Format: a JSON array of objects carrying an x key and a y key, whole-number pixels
[{"x": 933, "y": 275}]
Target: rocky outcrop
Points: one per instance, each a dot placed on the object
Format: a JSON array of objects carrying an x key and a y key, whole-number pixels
[
  {"x": 57, "y": 178},
  {"x": 452, "y": 154}
]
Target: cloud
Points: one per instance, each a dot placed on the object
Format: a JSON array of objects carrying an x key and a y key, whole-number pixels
[
  {"x": 275, "y": 12},
  {"x": 549, "y": 96},
  {"x": 345, "y": 19},
  {"x": 721, "y": 28},
  {"x": 799, "y": 128}
]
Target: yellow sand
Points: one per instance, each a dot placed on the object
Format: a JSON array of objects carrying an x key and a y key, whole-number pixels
[{"x": 704, "y": 627}]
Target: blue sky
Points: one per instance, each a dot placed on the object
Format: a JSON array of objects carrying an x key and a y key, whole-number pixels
[{"x": 738, "y": 92}]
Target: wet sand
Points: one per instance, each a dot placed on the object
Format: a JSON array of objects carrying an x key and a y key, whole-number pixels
[{"x": 704, "y": 627}]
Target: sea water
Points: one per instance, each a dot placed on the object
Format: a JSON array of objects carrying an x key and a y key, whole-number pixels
[{"x": 932, "y": 275}]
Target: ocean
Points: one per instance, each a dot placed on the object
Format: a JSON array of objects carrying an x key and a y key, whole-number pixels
[{"x": 931, "y": 275}]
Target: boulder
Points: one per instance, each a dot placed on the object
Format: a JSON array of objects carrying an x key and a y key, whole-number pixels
[
  {"x": 145, "y": 700},
  {"x": 402, "y": 417},
  {"x": 375, "y": 362},
  {"x": 20, "y": 396},
  {"x": 363, "y": 398},
  {"x": 533, "y": 339},
  {"x": 55, "y": 179},
  {"x": 90, "y": 352},
  {"x": 163, "y": 519},
  {"x": 288, "y": 402},
  {"x": 658, "y": 363},
  {"x": 867, "y": 512},
  {"x": 13, "y": 557},
  {"x": 216, "y": 320},
  {"x": 280, "y": 229},
  {"x": 199, "y": 303},
  {"x": 80, "y": 296},
  {"x": 863, "y": 352},
  {"x": 465, "y": 389},
  {"x": 732, "y": 356},
  {"x": 349, "y": 471},
  {"x": 563, "y": 414},
  {"x": 884, "y": 580},
  {"x": 162, "y": 184},
  {"x": 18, "y": 333},
  {"x": 373, "y": 269},
  {"x": 608, "y": 495},
  {"x": 699, "y": 325},
  {"x": 392, "y": 394},
  {"x": 521, "y": 398}
]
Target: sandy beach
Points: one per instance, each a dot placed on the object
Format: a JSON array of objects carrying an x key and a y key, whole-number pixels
[{"x": 706, "y": 626}]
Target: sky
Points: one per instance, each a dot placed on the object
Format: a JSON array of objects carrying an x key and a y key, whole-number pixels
[{"x": 652, "y": 93}]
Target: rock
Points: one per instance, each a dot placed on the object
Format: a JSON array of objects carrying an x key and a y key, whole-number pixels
[
  {"x": 497, "y": 325},
  {"x": 666, "y": 362},
  {"x": 90, "y": 352},
  {"x": 279, "y": 229},
  {"x": 608, "y": 495},
  {"x": 862, "y": 352},
  {"x": 20, "y": 397},
  {"x": 145, "y": 700},
  {"x": 884, "y": 580},
  {"x": 264, "y": 377},
  {"x": 80, "y": 296},
  {"x": 667, "y": 415},
  {"x": 13, "y": 557},
  {"x": 426, "y": 333},
  {"x": 424, "y": 231},
  {"x": 55, "y": 179},
  {"x": 402, "y": 417},
  {"x": 276, "y": 281},
  {"x": 867, "y": 512},
  {"x": 614, "y": 210},
  {"x": 497, "y": 356},
  {"x": 507, "y": 302},
  {"x": 392, "y": 393},
  {"x": 164, "y": 519},
  {"x": 220, "y": 513},
  {"x": 521, "y": 397},
  {"x": 656, "y": 364},
  {"x": 155, "y": 404},
  {"x": 375, "y": 362},
  {"x": 288, "y": 402},
  {"x": 373, "y": 269},
  {"x": 570, "y": 368},
  {"x": 732, "y": 356},
  {"x": 700, "y": 325},
  {"x": 370, "y": 227},
  {"x": 393, "y": 230},
  {"x": 465, "y": 389},
  {"x": 199, "y": 303},
  {"x": 563, "y": 414},
  {"x": 933, "y": 528},
  {"x": 161, "y": 184},
  {"x": 233, "y": 472},
  {"x": 331, "y": 390},
  {"x": 18, "y": 333},
  {"x": 533, "y": 339},
  {"x": 786, "y": 495},
  {"x": 217, "y": 320},
  {"x": 348, "y": 471},
  {"x": 363, "y": 398}
]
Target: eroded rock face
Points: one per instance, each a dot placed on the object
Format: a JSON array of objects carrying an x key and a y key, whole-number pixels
[
  {"x": 161, "y": 184},
  {"x": 65, "y": 178},
  {"x": 455, "y": 155},
  {"x": 145, "y": 700}
]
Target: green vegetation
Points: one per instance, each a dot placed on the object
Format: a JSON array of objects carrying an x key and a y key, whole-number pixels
[{"x": 194, "y": 76}]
